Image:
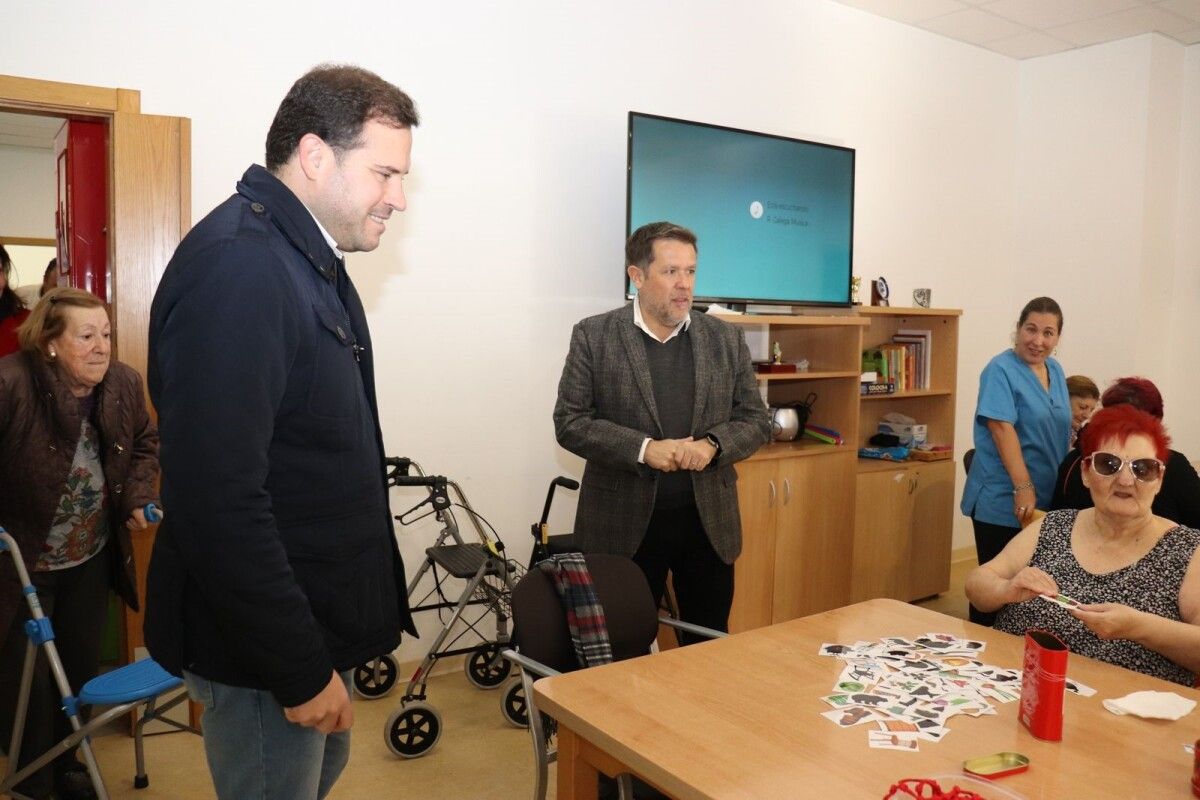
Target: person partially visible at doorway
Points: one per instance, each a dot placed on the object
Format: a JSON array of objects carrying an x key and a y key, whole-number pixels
[
  {"x": 78, "y": 464},
  {"x": 12, "y": 309},
  {"x": 30, "y": 293},
  {"x": 1085, "y": 397},
  {"x": 1022, "y": 424},
  {"x": 49, "y": 277}
]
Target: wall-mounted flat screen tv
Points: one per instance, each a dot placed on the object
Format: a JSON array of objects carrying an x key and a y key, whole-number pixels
[{"x": 774, "y": 216}]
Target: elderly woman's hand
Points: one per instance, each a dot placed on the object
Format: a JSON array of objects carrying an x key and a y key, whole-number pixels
[
  {"x": 1108, "y": 620},
  {"x": 137, "y": 520},
  {"x": 1028, "y": 584}
]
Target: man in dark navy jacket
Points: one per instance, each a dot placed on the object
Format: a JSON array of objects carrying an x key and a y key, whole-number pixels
[{"x": 276, "y": 571}]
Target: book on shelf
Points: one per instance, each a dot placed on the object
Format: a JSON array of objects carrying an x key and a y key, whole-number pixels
[{"x": 921, "y": 341}]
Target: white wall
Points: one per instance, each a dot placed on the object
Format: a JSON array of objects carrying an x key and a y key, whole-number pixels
[
  {"x": 27, "y": 195},
  {"x": 516, "y": 211},
  {"x": 1183, "y": 386},
  {"x": 1101, "y": 200}
]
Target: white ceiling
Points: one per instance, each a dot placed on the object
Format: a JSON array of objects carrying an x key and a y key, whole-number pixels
[
  {"x": 28, "y": 130},
  {"x": 1031, "y": 28}
]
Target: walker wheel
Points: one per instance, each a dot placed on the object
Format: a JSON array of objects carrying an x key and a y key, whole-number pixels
[
  {"x": 376, "y": 678},
  {"x": 485, "y": 667},
  {"x": 413, "y": 730},
  {"x": 513, "y": 705}
]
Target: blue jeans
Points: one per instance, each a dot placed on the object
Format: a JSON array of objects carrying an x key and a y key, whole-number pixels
[{"x": 254, "y": 753}]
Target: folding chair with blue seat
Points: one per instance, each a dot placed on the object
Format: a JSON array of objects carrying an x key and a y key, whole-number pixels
[
  {"x": 544, "y": 647},
  {"x": 125, "y": 689}
]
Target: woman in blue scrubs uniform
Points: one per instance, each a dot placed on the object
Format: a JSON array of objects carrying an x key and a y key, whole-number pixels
[{"x": 1022, "y": 426}]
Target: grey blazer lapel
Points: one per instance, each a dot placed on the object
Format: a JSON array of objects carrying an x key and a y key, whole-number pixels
[
  {"x": 702, "y": 349},
  {"x": 631, "y": 338}
]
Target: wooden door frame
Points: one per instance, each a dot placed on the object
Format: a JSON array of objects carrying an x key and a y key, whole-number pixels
[
  {"x": 52, "y": 98},
  {"x": 149, "y": 211}
]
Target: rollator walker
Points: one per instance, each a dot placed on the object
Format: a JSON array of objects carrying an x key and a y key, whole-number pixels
[{"x": 486, "y": 576}]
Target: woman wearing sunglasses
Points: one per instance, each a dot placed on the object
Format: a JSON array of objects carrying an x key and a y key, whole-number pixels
[
  {"x": 1022, "y": 425},
  {"x": 1179, "y": 498},
  {"x": 1129, "y": 577}
]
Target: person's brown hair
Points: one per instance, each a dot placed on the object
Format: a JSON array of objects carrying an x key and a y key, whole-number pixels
[
  {"x": 1041, "y": 305},
  {"x": 1137, "y": 392},
  {"x": 1082, "y": 386},
  {"x": 48, "y": 319},
  {"x": 639, "y": 250}
]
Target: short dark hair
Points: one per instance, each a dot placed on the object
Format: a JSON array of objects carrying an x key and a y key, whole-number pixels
[
  {"x": 1141, "y": 393},
  {"x": 1041, "y": 305},
  {"x": 1120, "y": 422},
  {"x": 335, "y": 101},
  {"x": 639, "y": 250}
]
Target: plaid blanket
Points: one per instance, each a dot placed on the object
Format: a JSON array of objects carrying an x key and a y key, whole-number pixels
[{"x": 585, "y": 615}]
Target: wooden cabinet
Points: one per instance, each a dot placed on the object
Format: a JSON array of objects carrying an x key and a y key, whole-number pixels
[
  {"x": 797, "y": 546},
  {"x": 814, "y": 532},
  {"x": 903, "y": 522},
  {"x": 754, "y": 570},
  {"x": 822, "y": 528},
  {"x": 796, "y": 498},
  {"x": 904, "y": 513}
]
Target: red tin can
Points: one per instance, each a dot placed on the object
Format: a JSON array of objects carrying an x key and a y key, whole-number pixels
[
  {"x": 1043, "y": 685},
  {"x": 1196, "y": 769}
]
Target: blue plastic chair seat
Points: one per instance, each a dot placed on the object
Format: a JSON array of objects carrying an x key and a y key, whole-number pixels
[{"x": 139, "y": 680}]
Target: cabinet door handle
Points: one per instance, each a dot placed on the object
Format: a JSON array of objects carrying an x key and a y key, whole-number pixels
[
  {"x": 787, "y": 491},
  {"x": 912, "y": 484},
  {"x": 771, "y": 496}
]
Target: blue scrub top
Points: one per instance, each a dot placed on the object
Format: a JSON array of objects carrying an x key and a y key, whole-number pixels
[{"x": 1009, "y": 391}]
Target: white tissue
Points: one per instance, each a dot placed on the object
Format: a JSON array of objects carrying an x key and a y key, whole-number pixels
[{"x": 1151, "y": 705}]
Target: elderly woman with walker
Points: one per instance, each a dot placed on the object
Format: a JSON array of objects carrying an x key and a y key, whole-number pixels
[{"x": 78, "y": 467}]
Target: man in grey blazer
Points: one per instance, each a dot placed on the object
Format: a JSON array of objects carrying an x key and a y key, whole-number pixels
[{"x": 662, "y": 403}]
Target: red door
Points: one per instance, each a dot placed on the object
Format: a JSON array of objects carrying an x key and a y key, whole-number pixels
[{"x": 81, "y": 215}]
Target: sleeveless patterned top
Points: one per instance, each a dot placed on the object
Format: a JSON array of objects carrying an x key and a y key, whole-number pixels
[{"x": 1151, "y": 584}]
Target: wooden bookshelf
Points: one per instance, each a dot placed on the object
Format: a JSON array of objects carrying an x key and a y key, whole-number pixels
[
  {"x": 904, "y": 511},
  {"x": 822, "y": 528}
]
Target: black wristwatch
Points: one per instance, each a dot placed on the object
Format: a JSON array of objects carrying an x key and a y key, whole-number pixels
[{"x": 713, "y": 441}]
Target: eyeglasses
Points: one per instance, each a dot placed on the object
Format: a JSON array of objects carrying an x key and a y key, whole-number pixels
[{"x": 1146, "y": 470}]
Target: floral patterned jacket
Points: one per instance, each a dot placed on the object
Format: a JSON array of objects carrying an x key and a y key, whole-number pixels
[{"x": 39, "y": 430}]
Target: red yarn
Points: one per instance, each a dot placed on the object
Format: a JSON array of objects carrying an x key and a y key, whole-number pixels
[{"x": 926, "y": 789}]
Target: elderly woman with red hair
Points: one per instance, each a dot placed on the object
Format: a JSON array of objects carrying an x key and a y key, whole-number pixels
[
  {"x": 1179, "y": 497},
  {"x": 1133, "y": 573}
]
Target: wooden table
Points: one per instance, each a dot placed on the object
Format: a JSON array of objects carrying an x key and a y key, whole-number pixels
[{"x": 740, "y": 718}]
